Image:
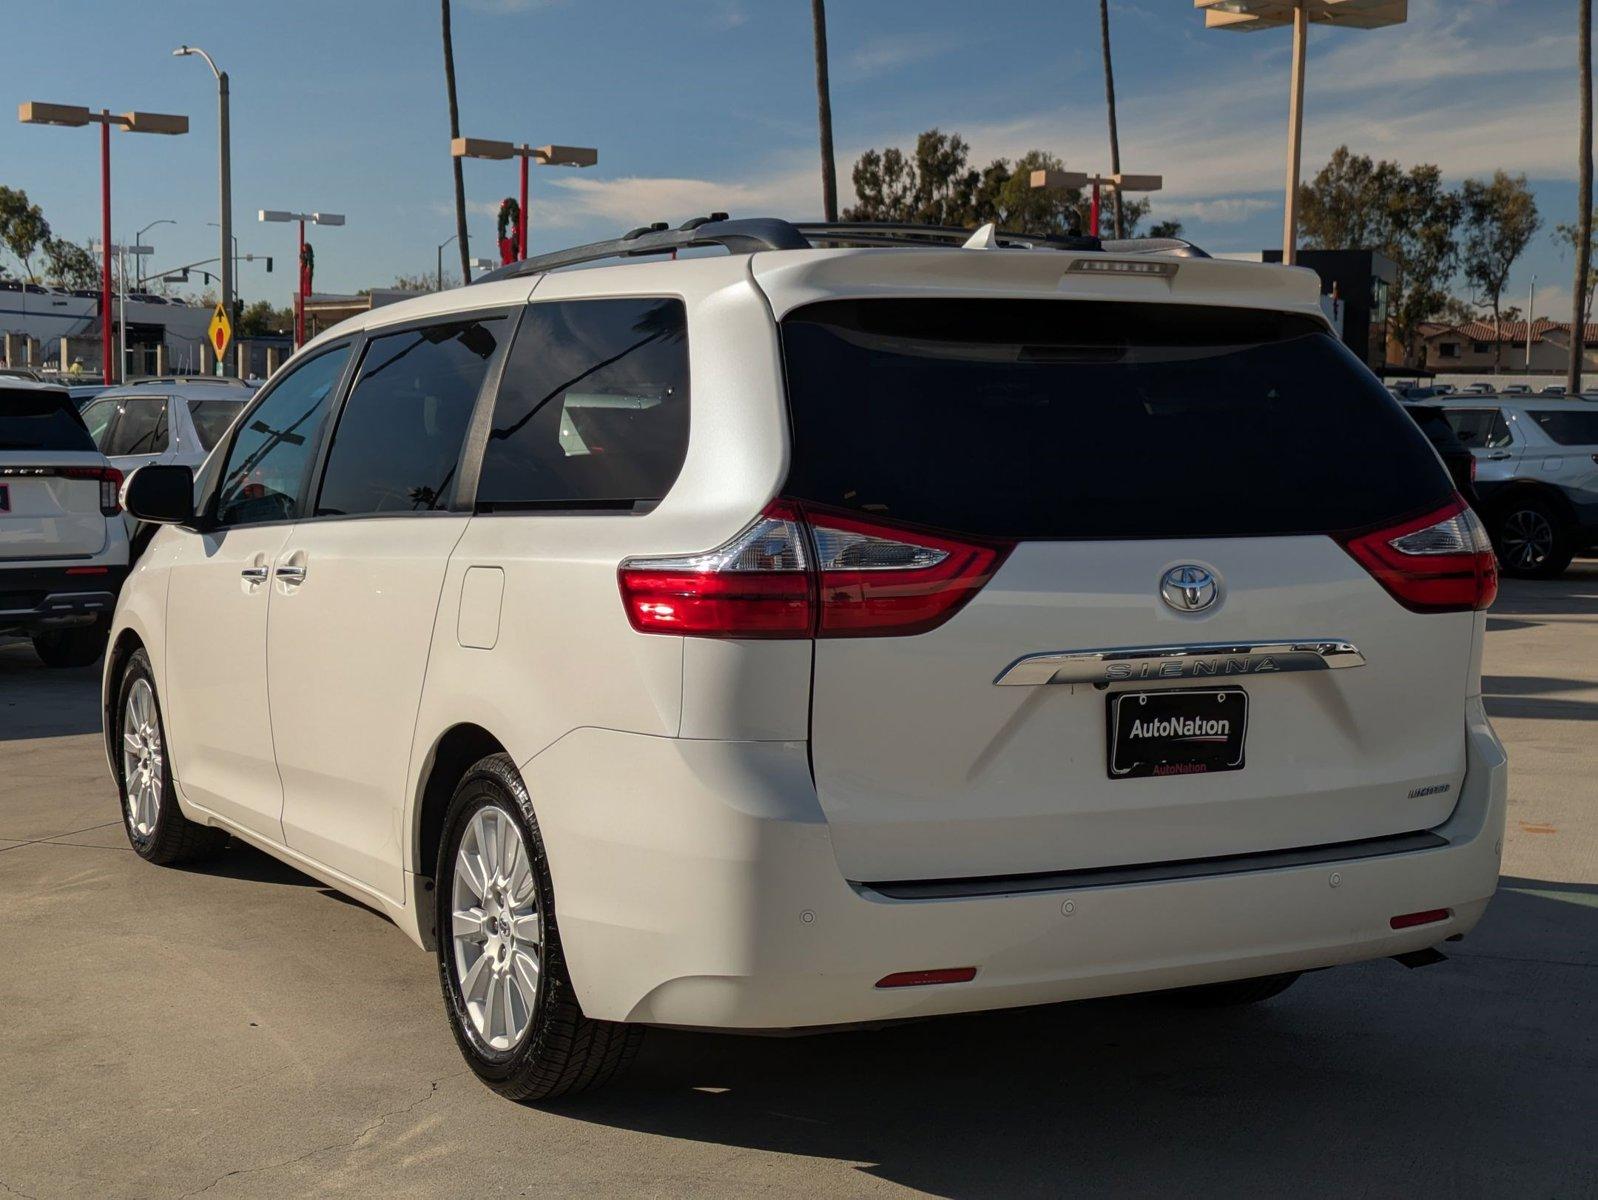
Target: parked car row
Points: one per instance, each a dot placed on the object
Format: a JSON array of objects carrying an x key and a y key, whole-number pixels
[{"x": 1533, "y": 471}]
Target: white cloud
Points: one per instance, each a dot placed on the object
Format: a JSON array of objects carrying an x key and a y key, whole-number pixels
[
  {"x": 1220, "y": 211},
  {"x": 637, "y": 200},
  {"x": 882, "y": 55}
]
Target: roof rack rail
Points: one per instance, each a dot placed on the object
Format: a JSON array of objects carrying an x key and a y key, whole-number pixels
[{"x": 748, "y": 235}]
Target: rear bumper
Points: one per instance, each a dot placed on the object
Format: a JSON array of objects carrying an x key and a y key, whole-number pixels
[
  {"x": 695, "y": 885},
  {"x": 34, "y": 598}
]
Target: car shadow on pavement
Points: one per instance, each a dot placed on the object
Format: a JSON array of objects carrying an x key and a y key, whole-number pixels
[
  {"x": 242, "y": 861},
  {"x": 37, "y": 701},
  {"x": 1368, "y": 1080},
  {"x": 1528, "y": 696}
]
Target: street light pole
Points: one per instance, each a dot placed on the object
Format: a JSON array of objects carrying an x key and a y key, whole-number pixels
[
  {"x": 441, "y": 246},
  {"x": 105, "y": 248},
  {"x": 546, "y": 156},
  {"x": 225, "y": 176},
  {"x": 316, "y": 218},
  {"x": 1295, "y": 134}
]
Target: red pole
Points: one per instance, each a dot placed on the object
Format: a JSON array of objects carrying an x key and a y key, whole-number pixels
[
  {"x": 105, "y": 247},
  {"x": 1093, "y": 218},
  {"x": 299, "y": 292},
  {"x": 521, "y": 220}
]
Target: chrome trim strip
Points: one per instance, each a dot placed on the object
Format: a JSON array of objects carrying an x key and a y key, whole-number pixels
[
  {"x": 1199, "y": 660},
  {"x": 1168, "y": 872}
]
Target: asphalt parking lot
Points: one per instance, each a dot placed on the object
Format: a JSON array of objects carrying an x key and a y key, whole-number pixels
[{"x": 240, "y": 1030}]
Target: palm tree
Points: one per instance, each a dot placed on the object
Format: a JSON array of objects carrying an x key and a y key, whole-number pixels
[
  {"x": 1109, "y": 97},
  {"x": 829, "y": 171},
  {"x": 1584, "y": 236},
  {"x": 455, "y": 132}
]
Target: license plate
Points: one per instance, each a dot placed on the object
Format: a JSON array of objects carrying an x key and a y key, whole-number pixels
[
  {"x": 5, "y": 498},
  {"x": 1183, "y": 732}
]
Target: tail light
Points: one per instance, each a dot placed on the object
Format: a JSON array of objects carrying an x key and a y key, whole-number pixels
[
  {"x": 797, "y": 572},
  {"x": 1441, "y": 562},
  {"x": 110, "y": 485},
  {"x": 1473, "y": 466}
]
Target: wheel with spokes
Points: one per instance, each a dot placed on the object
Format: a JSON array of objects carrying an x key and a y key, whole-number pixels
[
  {"x": 156, "y": 827},
  {"x": 1533, "y": 540},
  {"x": 507, "y": 993}
]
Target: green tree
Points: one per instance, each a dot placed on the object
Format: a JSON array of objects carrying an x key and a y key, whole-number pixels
[
  {"x": 261, "y": 318},
  {"x": 70, "y": 265},
  {"x": 938, "y": 186},
  {"x": 1501, "y": 218},
  {"x": 1409, "y": 216},
  {"x": 23, "y": 228},
  {"x": 1570, "y": 234}
]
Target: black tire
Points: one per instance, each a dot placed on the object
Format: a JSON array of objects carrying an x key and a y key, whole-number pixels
[
  {"x": 561, "y": 1051},
  {"x": 171, "y": 838},
  {"x": 1233, "y": 993},
  {"x": 77, "y": 646},
  {"x": 1534, "y": 539}
]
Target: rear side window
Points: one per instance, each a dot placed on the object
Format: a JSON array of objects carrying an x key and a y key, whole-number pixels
[
  {"x": 141, "y": 428},
  {"x": 1569, "y": 428},
  {"x": 399, "y": 437},
  {"x": 593, "y": 409},
  {"x": 1072, "y": 419},
  {"x": 211, "y": 419},
  {"x": 1480, "y": 428},
  {"x": 40, "y": 420}
]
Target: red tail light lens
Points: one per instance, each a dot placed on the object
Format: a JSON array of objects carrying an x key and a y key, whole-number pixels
[
  {"x": 1409, "y": 920},
  {"x": 110, "y": 485},
  {"x": 1441, "y": 562},
  {"x": 797, "y": 573}
]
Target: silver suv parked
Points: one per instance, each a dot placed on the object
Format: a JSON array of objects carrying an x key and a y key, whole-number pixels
[{"x": 1536, "y": 475}]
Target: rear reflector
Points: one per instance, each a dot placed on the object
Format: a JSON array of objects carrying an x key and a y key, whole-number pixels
[
  {"x": 88, "y": 570},
  {"x": 922, "y": 978},
  {"x": 798, "y": 572},
  {"x": 1430, "y": 917},
  {"x": 1441, "y": 562}
]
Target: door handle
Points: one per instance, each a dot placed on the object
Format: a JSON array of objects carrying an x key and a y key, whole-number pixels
[
  {"x": 254, "y": 574},
  {"x": 1498, "y": 456},
  {"x": 289, "y": 573}
]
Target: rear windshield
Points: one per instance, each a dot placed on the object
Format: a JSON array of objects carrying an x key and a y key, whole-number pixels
[
  {"x": 40, "y": 420},
  {"x": 212, "y": 418},
  {"x": 1072, "y": 419},
  {"x": 1569, "y": 428}
]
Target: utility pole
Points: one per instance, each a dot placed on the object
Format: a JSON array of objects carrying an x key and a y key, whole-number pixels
[{"x": 829, "y": 168}]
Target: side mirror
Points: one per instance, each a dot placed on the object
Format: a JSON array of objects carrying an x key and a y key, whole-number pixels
[{"x": 160, "y": 494}]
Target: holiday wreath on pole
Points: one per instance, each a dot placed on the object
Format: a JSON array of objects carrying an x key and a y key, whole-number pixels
[{"x": 510, "y": 219}]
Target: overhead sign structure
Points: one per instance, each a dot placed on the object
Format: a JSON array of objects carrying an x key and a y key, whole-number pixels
[{"x": 219, "y": 331}]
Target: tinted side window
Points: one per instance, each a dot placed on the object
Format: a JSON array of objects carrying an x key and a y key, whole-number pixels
[
  {"x": 399, "y": 436},
  {"x": 98, "y": 417},
  {"x": 1569, "y": 428},
  {"x": 269, "y": 458},
  {"x": 593, "y": 409},
  {"x": 142, "y": 427},
  {"x": 211, "y": 419},
  {"x": 1481, "y": 428}
]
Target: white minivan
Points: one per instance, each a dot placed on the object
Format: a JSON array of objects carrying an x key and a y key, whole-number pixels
[{"x": 856, "y": 624}]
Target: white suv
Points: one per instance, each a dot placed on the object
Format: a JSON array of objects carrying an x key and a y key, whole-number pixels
[
  {"x": 63, "y": 547},
  {"x": 817, "y": 634}
]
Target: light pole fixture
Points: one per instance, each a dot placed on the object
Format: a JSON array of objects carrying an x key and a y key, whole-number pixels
[
  {"x": 1249, "y": 15},
  {"x": 315, "y": 218},
  {"x": 441, "y": 246},
  {"x": 544, "y": 156},
  {"x": 33, "y": 112},
  {"x": 1076, "y": 180},
  {"x": 225, "y": 176}
]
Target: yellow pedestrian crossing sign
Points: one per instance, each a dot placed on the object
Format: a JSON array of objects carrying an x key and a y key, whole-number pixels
[{"x": 220, "y": 331}]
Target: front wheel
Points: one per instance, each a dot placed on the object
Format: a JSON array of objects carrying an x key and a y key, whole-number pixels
[
  {"x": 1533, "y": 542},
  {"x": 507, "y": 993},
  {"x": 156, "y": 828}
]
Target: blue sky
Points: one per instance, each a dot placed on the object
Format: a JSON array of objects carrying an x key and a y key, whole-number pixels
[{"x": 338, "y": 105}]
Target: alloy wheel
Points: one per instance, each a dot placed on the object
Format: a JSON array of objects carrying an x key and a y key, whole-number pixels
[
  {"x": 142, "y": 758},
  {"x": 1527, "y": 537},
  {"x": 497, "y": 929}
]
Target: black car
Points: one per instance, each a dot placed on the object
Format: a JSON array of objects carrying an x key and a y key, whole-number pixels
[{"x": 1461, "y": 463}]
